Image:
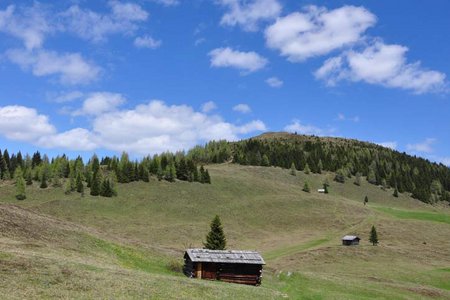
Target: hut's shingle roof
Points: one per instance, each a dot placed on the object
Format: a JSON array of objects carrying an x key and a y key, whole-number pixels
[
  {"x": 225, "y": 256},
  {"x": 350, "y": 237}
]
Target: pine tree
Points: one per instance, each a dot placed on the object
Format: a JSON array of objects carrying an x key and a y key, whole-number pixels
[
  {"x": 215, "y": 240},
  {"x": 307, "y": 170},
  {"x": 202, "y": 174},
  {"x": 366, "y": 200},
  {"x": 325, "y": 187},
  {"x": 373, "y": 236},
  {"x": 306, "y": 187},
  {"x": 293, "y": 169},
  {"x": 395, "y": 194},
  {"x": 79, "y": 184},
  {"x": 44, "y": 184},
  {"x": 207, "y": 178},
  {"x": 96, "y": 184},
  {"x": 29, "y": 177},
  {"x": 20, "y": 185}
]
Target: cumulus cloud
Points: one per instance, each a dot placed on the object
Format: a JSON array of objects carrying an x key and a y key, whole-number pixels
[
  {"x": 208, "y": 106},
  {"x": 99, "y": 103},
  {"x": 96, "y": 27},
  {"x": 384, "y": 65},
  {"x": 318, "y": 31},
  {"x": 248, "y": 14},
  {"x": 245, "y": 61},
  {"x": 147, "y": 128},
  {"x": 297, "y": 126},
  {"x": 64, "y": 97},
  {"x": 242, "y": 108},
  {"x": 28, "y": 24},
  {"x": 147, "y": 42},
  {"x": 21, "y": 123},
  {"x": 391, "y": 145},
  {"x": 424, "y": 147},
  {"x": 71, "y": 68},
  {"x": 274, "y": 82},
  {"x": 78, "y": 139}
]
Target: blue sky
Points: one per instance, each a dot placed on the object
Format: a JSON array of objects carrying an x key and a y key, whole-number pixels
[{"x": 154, "y": 75}]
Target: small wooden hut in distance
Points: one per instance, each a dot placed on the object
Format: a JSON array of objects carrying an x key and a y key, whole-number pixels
[
  {"x": 350, "y": 240},
  {"x": 235, "y": 266}
]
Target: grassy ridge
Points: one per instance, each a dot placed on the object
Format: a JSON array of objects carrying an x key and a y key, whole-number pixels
[
  {"x": 120, "y": 248},
  {"x": 416, "y": 215}
]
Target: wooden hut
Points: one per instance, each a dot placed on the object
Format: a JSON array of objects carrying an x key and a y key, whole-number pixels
[
  {"x": 350, "y": 240},
  {"x": 235, "y": 266}
]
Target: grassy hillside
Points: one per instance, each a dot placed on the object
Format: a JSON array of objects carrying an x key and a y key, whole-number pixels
[{"x": 57, "y": 245}]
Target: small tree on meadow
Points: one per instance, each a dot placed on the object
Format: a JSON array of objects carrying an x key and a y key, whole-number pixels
[
  {"x": 293, "y": 169},
  {"x": 44, "y": 184},
  {"x": 79, "y": 184},
  {"x": 306, "y": 187},
  {"x": 307, "y": 170},
  {"x": 366, "y": 199},
  {"x": 340, "y": 176},
  {"x": 325, "y": 188},
  {"x": 395, "y": 194},
  {"x": 215, "y": 240},
  {"x": 373, "y": 236},
  {"x": 20, "y": 185},
  {"x": 358, "y": 179}
]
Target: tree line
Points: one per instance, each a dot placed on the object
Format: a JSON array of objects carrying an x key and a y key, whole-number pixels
[
  {"x": 426, "y": 181},
  {"x": 99, "y": 175}
]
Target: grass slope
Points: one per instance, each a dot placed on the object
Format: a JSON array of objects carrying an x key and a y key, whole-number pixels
[{"x": 68, "y": 246}]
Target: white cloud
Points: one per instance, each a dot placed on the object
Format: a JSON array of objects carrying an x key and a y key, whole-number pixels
[
  {"x": 28, "y": 24},
  {"x": 297, "y": 126},
  {"x": 156, "y": 127},
  {"x": 147, "y": 128},
  {"x": 78, "y": 139},
  {"x": 342, "y": 117},
  {"x": 242, "y": 108},
  {"x": 71, "y": 68},
  {"x": 93, "y": 26},
  {"x": 99, "y": 103},
  {"x": 248, "y": 14},
  {"x": 246, "y": 61},
  {"x": 391, "y": 145},
  {"x": 167, "y": 2},
  {"x": 424, "y": 147},
  {"x": 384, "y": 65},
  {"x": 208, "y": 106},
  {"x": 21, "y": 123},
  {"x": 317, "y": 31},
  {"x": 274, "y": 82},
  {"x": 65, "y": 97},
  {"x": 147, "y": 42}
]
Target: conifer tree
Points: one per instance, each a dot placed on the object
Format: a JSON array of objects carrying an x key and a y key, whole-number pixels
[
  {"x": 325, "y": 187},
  {"x": 293, "y": 169},
  {"x": 44, "y": 184},
  {"x": 307, "y": 170},
  {"x": 207, "y": 178},
  {"x": 306, "y": 187},
  {"x": 373, "y": 236},
  {"x": 395, "y": 194},
  {"x": 29, "y": 177},
  {"x": 366, "y": 200},
  {"x": 340, "y": 176},
  {"x": 215, "y": 240},
  {"x": 79, "y": 183},
  {"x": 265, "y": 161},
  {"x": 95, "y": 184},
  {"x": 20, "y": 185},
  {"x": 202, "y": 174}
]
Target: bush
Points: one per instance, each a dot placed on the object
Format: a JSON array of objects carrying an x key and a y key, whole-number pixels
[{"x": 175, "y": 266}]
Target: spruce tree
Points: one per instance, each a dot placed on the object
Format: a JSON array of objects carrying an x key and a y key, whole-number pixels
[
  {"x": 306, "y": 187},
  {"x": 366, "y": 199},
  {"x": 207, "y": 178},
  {"x": 29, "y": 177},
  {"x": 395, "y": 194},
  {"x": 265, "y": 161},
  {"x": 20, "y": 185},
  {"x": 293, "y": 169},
  {"x": 373, "y": 236},
  {"x": 79, "y": 184},
  {"x": 325, "y": 187},
  {"x": 215, "y": 240},
  {"x": 307, "y": 170},
  {"x": 44, "y": 184},
  {"x": 95, "y": 184}
]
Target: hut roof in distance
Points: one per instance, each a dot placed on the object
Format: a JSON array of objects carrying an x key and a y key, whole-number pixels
[
  {"x": 350, "y": 238},
  {"x": 225, "y": 256}
]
